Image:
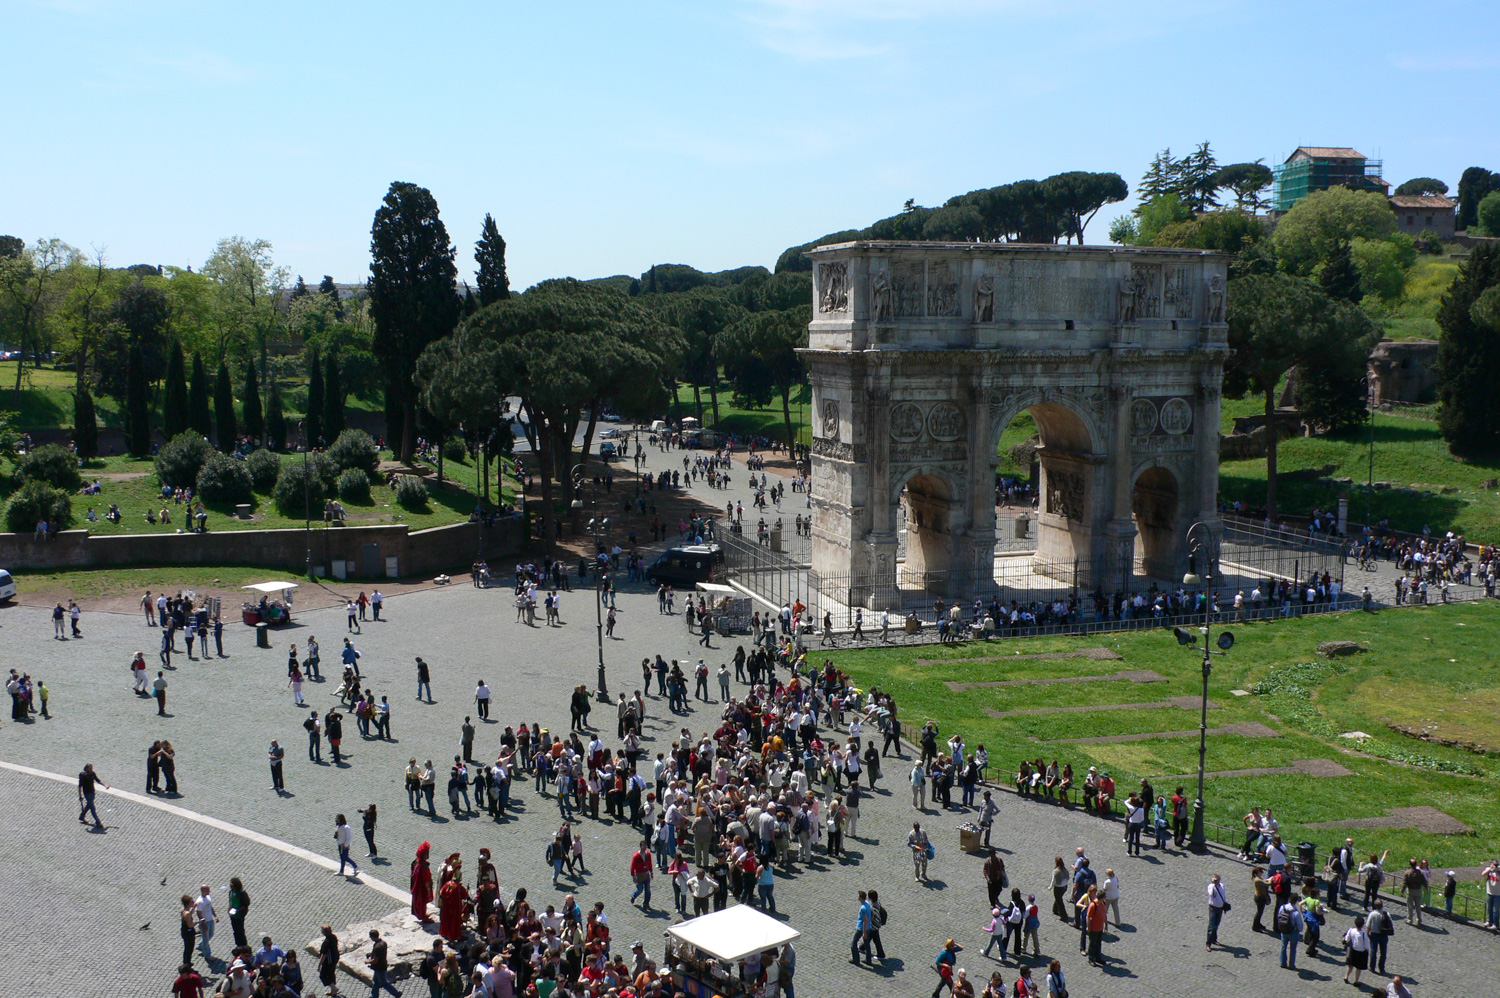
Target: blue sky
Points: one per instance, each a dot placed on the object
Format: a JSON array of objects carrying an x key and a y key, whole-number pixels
[{"x": 606, "y": 137}]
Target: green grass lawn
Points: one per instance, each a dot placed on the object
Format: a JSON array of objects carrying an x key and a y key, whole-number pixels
[
  {"x": 1429, "y": 668},
  {"x": 759, "y": 422},
  {"x": 451, "y": 503}
]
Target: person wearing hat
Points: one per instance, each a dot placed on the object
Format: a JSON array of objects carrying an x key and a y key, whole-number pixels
[
  {"x": 638, "y": 959},
  {"x": 944, "y": 965}
]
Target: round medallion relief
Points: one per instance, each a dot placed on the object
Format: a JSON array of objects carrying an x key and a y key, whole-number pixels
[
  {"x": 946, "y": 421},
  {"x": 906, "y": 422},
  {"x": 1142, "y": 417},
  {"x": 1176, "y": 416}
]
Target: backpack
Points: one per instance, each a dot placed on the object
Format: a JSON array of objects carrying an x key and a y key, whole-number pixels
[
  {"x": 549, "y": 852},
  {"x": 882, "y": 914},
  {"x": 310, "y": 724},
  {"x": 1283, "y": 921}
]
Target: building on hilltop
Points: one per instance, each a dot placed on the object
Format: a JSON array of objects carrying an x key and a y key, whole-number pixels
[
  {"x": 1317, "y": 168},
  {"x": 1419, "y": 213}
]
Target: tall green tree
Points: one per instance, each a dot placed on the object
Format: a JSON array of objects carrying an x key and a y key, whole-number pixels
[
  {"x": 312, "y": 422},
  {"x": 275, "y": 418},
  {"x": 1079, "y": 195},
  {"x": 137, "y": 405},
  {"x": 412, "y": 293},
  {"x": 761, "y": 361},
  {"x": 1196, "y": 184},
  {"x": 702, "y": 316},
  {"x": 1339, "y": 278},
  {"x": 255, "y": 421},
  {"x": 330, "y": 291},
  {"x": 200, "y": 417},
  {"x": 1475, "y": 183},
  {"x": 174, "y": 409},
  {"x": 333, "y": 398},
  {"x": 1276, "y": 322},
  {"x": 1468, "y": 356},
  {"x": 1248, "y": 182},
  {"x": 463, "y": 382},
  {"x": 569, "y": 349},
  {"x": 224, "y": 416},
  {"x": 1422, "y": 186},
  {"x": 29, "y": 286},
  {"x": 489, "y": 253},
  {"x": 85, "y": 423},
  {"x": 248, "y": 285},
  {"x": 300, "y": 288},
  {"x": 1309, "y": 233}
]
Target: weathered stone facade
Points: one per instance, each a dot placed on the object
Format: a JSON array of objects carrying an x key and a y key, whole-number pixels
[{"x": 920, "y": 355}]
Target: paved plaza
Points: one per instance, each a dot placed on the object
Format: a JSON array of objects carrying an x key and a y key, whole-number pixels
[{"x": 111, "y": 896}]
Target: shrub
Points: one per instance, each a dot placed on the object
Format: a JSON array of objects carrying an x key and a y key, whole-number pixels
[
  {"x": 411, "y": 492},
  {"x": 354, "y": 485},
  {"x": 355, "y": 449},
  {"x": 223, "y": 479},
  {"x": 454, "y": 449},
  {"x": 38, "y": 501},
  {"x": 264, "y": 467},
  {"x": 301, "y": 490},
  {"x": 181, "y": 458},
  {"x": 50, "y": 463}
]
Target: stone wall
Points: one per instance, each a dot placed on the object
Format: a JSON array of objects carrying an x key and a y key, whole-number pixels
[{"x": 417, "y": 553}]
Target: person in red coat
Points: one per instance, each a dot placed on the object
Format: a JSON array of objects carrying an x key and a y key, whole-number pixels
[
  {"x": 421, "y": 883},
  {"x": 453, "y": 899}
]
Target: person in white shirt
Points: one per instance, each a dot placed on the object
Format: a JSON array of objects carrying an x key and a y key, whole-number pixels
[
  {"x": 207, "y": 918},
  {"x": 1112, "y": 895},
  {"x": 1357, "y": 950},
  {"x": 1217, "y": 902},
  {"x": 343, "y": 837}
]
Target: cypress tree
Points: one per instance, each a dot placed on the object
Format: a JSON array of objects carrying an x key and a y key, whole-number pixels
[
  {"x": 1468, "y": 356},
  {"x": 137, "y": 407},
  {"x": 329, "y": 289},
  {"x": 174, "y": 406},
  {"x": 489, "y": 253},
  {"x": 333, "y": 398},
  {"x": 312, "y": 420},
  {"x": 395, "y": 418},
  {"x": 255, "y": 423},
  {"x": 224, "y": 410},
  {"x": 275, "y": 419},
  {"x": 1340, "y": 278},
  {"x": 199, "y": 417},
  {"x": 85, "y": 426}
]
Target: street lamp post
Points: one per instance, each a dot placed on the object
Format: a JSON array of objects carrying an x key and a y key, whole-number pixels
[
  {"x": 1201, "y": 541},
  {"x": 597, "y": 529},
  {"x": 307, "y": 501}
]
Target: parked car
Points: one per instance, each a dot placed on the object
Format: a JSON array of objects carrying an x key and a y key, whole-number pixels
[
  {"x": 7, "y": 586},
  {"x": 611, "y": 433},
  {"x": 607, "y": 451},
  {"x": 688, "y": 565}
]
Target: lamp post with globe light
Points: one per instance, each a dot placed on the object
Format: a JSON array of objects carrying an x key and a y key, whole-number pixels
[{"x": 1202, "y": 543}]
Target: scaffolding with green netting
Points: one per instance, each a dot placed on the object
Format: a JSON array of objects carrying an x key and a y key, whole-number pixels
[{"x": 1302, "y": 175}]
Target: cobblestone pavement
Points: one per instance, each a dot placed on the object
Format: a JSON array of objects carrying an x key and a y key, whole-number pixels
[{"x": 222, "y": 713}]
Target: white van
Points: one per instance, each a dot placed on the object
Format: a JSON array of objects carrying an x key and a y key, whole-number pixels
[
  {"x": 658, "y": 426},
  {"x": 7, "y": 586}
]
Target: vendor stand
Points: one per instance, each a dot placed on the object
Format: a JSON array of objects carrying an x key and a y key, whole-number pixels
[
  {"x": 704, "y": 953},
  {"x": 728, "y": 607},
  {"x": 272, "y": 605}
]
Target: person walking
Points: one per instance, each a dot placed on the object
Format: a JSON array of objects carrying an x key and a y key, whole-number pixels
[
  {"x": 353, "y": 612},
  {"x": 640, "y": 871},
  {"x": 424, "y": 679},
  {"x": 148, "y": 604},
  {"x": 138, "y": 674},
  {"x": 866, "y": 932},
  {"x": 921, "y": 851},
  {"x": 187, "y": 927},
  {"x": 1111, "y": 894},
  {"x": 379, "y": 962},
  {"x": 919, "y": 786},
  {"x": 1356, "y": 950},
  {"x": 314, "y": 737},
  {"x": 945, "y": 965},
  {"x": 1380, "y": 927},
  {"x": 1288, "y": 925},
  {"x": 482, "y": 700},
  {"x": 1218, "y": 904},
  {"x": 377, "y": 600},
  {"x": 276, "y": 754},
  {"x": 87, "y": 781},
  {"x": 1061, "y": 881},
  {"x": 369, "y": 816},
  {"x": 343, "y": 837},
  {"x": 328, "y": 961},
  {"x": 294, "y": 680},
  {"x": 1414, "y": 883},
  {"x": 159, "y": 688},
  {"x": 466, "y": 739}
]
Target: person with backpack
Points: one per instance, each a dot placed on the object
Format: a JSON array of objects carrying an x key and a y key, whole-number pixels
[
  {"x": 1373, "y": 873},
  {"x": 866, "y": 932},
  {"x": 1179, "y": 817},
  {"x": 1287, "y": 923},
  {"x": 1057, "y": 987},
  {"x": 1380, "y": 927},
  {"x": 997, "y": 930}
]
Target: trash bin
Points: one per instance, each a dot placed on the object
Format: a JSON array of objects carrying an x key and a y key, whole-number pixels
[
  {"x": 1307, "y": 859},
  {"x": 969, "y": 838},
  {"x": 262, "y": 635}
]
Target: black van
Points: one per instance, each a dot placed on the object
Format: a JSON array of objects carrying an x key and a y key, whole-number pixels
[{"x": 688, "y": 565}]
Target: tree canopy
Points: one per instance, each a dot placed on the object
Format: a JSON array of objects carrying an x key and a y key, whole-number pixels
[
  {"x": 412, "y": 296},
  {"x": 1468, "y": 356},
  {"x": 1421, "y": 186},
  {"x": 489, "y": 254},
  {"x": 1316, "y": 224}
]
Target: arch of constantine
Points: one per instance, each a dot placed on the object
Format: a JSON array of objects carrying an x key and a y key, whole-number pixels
[{"x": 920, "y": 354}]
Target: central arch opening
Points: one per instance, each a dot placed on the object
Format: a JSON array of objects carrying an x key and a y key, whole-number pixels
[
  {"x": 928, "y": 506},
  {"x": 1153, "y": 503}
]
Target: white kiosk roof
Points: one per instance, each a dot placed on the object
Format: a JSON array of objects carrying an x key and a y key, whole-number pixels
[
  {"x": 271, "y": 587},
  {"x": 734, "y": 932}
]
